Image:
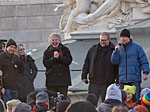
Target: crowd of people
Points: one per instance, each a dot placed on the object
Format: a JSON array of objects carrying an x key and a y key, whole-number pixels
[{"x": 113, "y": 73}]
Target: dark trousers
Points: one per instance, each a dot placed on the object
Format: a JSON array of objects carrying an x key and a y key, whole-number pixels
[
  {"x": 98, "y": 91},
  {"x": 62, "y": 89}
]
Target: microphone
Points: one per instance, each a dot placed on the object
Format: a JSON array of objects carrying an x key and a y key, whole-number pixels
[{"x": 119, "y": 45}]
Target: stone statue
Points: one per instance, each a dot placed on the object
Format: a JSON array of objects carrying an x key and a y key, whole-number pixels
[
  {"x": 111, "y": 8},
  {"x": 82, "y": 6}
]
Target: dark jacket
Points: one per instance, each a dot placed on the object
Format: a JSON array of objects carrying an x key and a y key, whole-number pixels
[
  {"x": 11, "y": 68},
  {"x": 30, "y": 72},
  {"x": 89, "y": 64},
  {"x": 131, "y": 61},
  {"x": 57, "y": 70}
]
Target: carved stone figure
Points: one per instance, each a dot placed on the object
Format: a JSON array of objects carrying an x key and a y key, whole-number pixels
[
  {"x": 82, "y": 6},
  {"x": 111, "y": 8}
]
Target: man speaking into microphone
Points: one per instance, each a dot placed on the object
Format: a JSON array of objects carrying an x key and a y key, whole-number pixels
[
  {"x": 57, "y": 59},
  {"x": 131, "y": 59},
  {"x": 97, "y": 64}
]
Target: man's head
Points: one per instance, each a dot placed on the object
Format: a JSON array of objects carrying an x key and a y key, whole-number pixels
[
  {"x": 125, "y": 36},
  {"x": 54, "y": 40},
  {"x": 104, "y": 39},
  {"x": 11, "y": 46}
]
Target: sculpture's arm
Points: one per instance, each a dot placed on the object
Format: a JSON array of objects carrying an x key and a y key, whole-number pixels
[{"x": 68, "y": 3}]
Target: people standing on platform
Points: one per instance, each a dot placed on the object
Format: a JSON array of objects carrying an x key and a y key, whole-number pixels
[
  {"x": 131, "y": 59},
  {"x": 30, "y": 72},
  {"x": 97, "y": 64},
  {"x": 10, "y": 67},
  {"x": 57, "y": 59}
]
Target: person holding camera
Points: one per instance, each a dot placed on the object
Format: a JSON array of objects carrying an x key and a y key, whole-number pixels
[
  {"x": 57, "y": 59},
  {"x": 97, "y": 64}
]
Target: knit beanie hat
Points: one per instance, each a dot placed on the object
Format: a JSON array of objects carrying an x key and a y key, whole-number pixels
[
  {"x": 140, "y": 108},
  {"x": 146, "y": 99},
  {"x": 11, "y": 42},
  {"x": 143, "y": 92},
  {"x": 92, "y": 99},
  {"x": 125, "y": 33},
  {"x": 62, "y": 105},
  {"x": 113, "y": 92},
  {"x": 130, "y": 89}
]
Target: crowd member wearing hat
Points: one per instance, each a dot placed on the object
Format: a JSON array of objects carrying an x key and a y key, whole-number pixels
[
  {"x": 113, "y": 98},
  {"x": 131, "y": 59},
  {"x": 146, "y": 101},
  {"x": 42, "y": 102},
  {"x": 30, "y": 72},
  {"x": 140, "y": 108},
  {"x": 131, "y": 98},
  {"x": 10, "y": 67}
]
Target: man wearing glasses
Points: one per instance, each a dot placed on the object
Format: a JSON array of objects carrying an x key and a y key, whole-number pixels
[{"x": 97, "y": 64}]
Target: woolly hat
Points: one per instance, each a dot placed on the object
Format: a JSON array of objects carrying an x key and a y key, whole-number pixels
[
  {"x": 125, "y": 33},
  {"x": 146, "y": 99},
  {"x": 22, "y": 107},
  {"x": 62, "y": 105},
  {"x": 81, "y": 106},
  {"x": 92, "y": 99},
  {"x": 11, "y": 42},
  {"x": 140, "y": 108},
  {"x": 41, "y": 97},
  {"x": 130, "y": 89},
  {"x": 144, "y": 91},
  {"x": 113, "y": 92}
]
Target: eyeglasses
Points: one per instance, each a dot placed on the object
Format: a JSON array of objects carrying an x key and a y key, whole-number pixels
[{"x": 22, "y": 49}]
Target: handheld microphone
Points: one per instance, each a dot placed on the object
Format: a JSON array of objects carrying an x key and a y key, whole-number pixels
[{"x": 119, "y": 45}]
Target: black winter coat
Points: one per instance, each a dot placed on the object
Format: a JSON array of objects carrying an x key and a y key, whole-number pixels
[
  {"x": 30, "y": 72},
  {"x": 11, "y": 68},
  {"x": 57, "y": 70},
  {"x": 90, "y": 63}
]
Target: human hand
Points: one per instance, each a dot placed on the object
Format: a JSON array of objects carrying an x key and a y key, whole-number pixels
[
  {"x": 3, "y": 90},
  {"x": 145, "y": 77},
  {"x": 1, "y": 73},
  {"x": 117, "y": 47},
  {"x": 56, "y": 54},
  {"x": 85, "y": 81}
]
